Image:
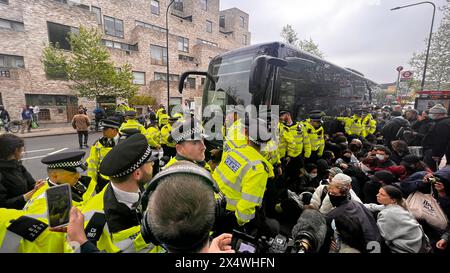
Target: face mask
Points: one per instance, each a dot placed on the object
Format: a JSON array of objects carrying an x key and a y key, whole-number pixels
[
  {"x": 431, "y": 116},
  {"x": 380, "y": 157},
  {"x": 313, "y": 175},
  {"x": 336, "y": 201},
  {"x": 346, "y": 159}
]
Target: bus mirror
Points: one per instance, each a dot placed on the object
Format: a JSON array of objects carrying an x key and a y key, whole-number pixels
[
  {"x": 259, "y": 70},
  {"x": 201, "y": 73}
]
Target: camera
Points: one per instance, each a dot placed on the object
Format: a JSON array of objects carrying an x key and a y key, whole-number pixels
[{"x": 244, "y": 243}]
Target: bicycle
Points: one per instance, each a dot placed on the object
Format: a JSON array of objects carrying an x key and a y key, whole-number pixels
[{"x": 12, "y": 126}]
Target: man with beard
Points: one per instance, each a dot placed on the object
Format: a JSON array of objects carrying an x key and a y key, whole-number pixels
[{"x": 112, "y": 217}]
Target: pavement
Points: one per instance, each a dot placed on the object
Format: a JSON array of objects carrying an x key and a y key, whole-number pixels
[{"x": 49, "y": 130}]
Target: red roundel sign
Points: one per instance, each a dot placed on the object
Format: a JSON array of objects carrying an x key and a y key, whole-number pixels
[{"x": 407, "y": 75}]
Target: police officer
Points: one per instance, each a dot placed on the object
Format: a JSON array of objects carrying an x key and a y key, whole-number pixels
[
  {"x": 188, "y": 136},
  {"x": 132, "y": 123},
  {"x": 159, "y": 111},
  {"x": 297, "y": 143},
  {"x": 62, "y": 169},
  {"x": 99, "y": 150},
  {"x": 315, "y": 132},
  {"x": 369, "y": 125},
  {"x": 353, "y": 125},
  {"x": 242, "y": 176},
  {"x": 27, "y": 230},
  {"x": 163, "y": 118},
  {"x": 234, "y": 128},
  {"x": 167, "y": 144},
  {"x": 112, "y": 217},
  {"x": 154, "y": 135}
]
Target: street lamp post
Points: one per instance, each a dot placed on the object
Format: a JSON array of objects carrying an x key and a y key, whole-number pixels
[
  {"x": 167, "y": 54},
  {"x": 429, "y": 39}
]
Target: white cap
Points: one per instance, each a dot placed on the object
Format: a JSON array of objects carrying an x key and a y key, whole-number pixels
[{"x": 342, "y": 178}]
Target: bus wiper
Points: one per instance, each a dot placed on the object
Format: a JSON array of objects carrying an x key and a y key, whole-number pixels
[{"x": 201, "y": 73}]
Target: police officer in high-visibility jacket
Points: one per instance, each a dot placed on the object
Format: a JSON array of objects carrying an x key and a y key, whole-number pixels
[
  {"x": 163, "y": 119},
  {"x": 99, "y": 150},
  {"x": 353, "y": 125},
  {"x": 61, "y": 169},
  {"x": 189, "y": 137},
  {"x": 113, "y": 216},
  {"x": 23, "y": 232},
  {"x": 167, "y": 143},
  {"x": 159, "y": 111},
  {"x": 234, "y": 136},
  {"x": 154, "y": 135},
  {"x": 369, "y": 125},
  {"x": 132, "y": 123},
  {"x": 242, "y": 175},
  {"x": 315, "y": 132},
  {"x": 299, "y": 141}
]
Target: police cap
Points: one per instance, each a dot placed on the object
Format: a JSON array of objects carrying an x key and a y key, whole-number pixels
[
  {"x": 188, "y": 130},
  {"x": 68, "y": 161},
  {"x": 127, "y": 157},
  {"x": 110, "y": 123}
]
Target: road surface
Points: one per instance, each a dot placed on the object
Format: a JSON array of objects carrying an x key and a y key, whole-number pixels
[{"x": 39, "y": 147}]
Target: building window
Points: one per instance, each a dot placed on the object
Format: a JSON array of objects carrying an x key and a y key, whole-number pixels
[
  {"x": 185, "y": 58},
  {"x": 150, "y": 26},
  {"x": 162, "y": 77},
  {"x": 241, "y": 21},
  {"x": 204, "y": 4},
  {"x": 50, "y": 100},
  {"x": 138, "y": 78},
  {"x": 59, "y": 34},
  {"x": 222, "y": 21},
  {"x": 244, "y": 39},
  {"x": 4, "y": 2},
  {"x": 200, "y": 41},
  {"x": 11, "y": 61},
  {"x": 98, "y": 14},
  {"x": 202, "y": 81},
  {"x": 183, "y": 44},
  {"x": 158, "y": 55},
  {"x": 12, "y": 25},
  {"x": 113, "y": 26},
  {"x": 119, "y": 45},
  {"x": 208, "y": 26},
  {"x": 44, "y": 114},
  {"x": 190, "y": 83},
  {"x": 154, "y": 7},
  {"x": 178, "y": 5}
]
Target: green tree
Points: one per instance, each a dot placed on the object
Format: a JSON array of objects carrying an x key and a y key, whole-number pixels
[
  {"x": 142, "y": 100},
  {"x": 55, "y": 63},
  {"x": 289, "y": 36},
  {"x": 89, "y": 68},
  {"x": 438, "y": 66}
]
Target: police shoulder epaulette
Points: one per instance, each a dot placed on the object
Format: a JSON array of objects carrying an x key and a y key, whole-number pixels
[
  {"x": 94, "y": 228},
  {"x": 27, "y": 227}
]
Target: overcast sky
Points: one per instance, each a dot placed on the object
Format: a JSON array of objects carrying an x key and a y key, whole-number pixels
[{"x": 361, "y": 34}]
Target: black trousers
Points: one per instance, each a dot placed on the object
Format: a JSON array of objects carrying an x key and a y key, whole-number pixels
[
  {"x": 81, "y": 135},
  {"x": 428, "y": 159}
]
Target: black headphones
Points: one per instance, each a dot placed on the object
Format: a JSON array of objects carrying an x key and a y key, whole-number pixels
[{"x": 181, "y": 167}]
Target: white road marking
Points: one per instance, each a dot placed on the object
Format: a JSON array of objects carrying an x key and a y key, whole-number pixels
[
  {"x": 35, "y": 151},
  {"x": 55, "y": 152}
]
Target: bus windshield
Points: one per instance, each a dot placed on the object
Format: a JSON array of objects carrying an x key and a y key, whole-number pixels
[{"x": 232, "y": 86}]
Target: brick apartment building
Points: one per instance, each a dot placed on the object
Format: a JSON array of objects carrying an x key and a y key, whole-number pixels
[{"x": 134, "y": 31}]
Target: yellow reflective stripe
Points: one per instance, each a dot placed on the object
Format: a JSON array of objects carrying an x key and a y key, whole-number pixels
[
  {"x": 245, "y": 217},
  {"x": 232, "y": 202},
  {"x": 126, "y": 245},
  {"x": 252, "y": 198},
  {"x": 236, "y": 187}
]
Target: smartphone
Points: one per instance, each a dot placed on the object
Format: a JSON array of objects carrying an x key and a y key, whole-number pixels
[{"x": 59, "y": 203}]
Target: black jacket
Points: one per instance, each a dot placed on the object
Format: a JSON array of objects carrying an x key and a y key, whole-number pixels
[
  {"x": 362, "y": 214},
  {"x": 390, "y": 131},
  {"x": 15, "y": 181},
  {"x": 438, "y": 138},
  {"x": 4, "y": 115}
]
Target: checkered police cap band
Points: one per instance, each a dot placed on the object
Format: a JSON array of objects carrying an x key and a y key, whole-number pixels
[
  {"x": 136, "y": 165},
  {"x": 60, "y": 165},
  {"x": 192, "y": 134}
]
